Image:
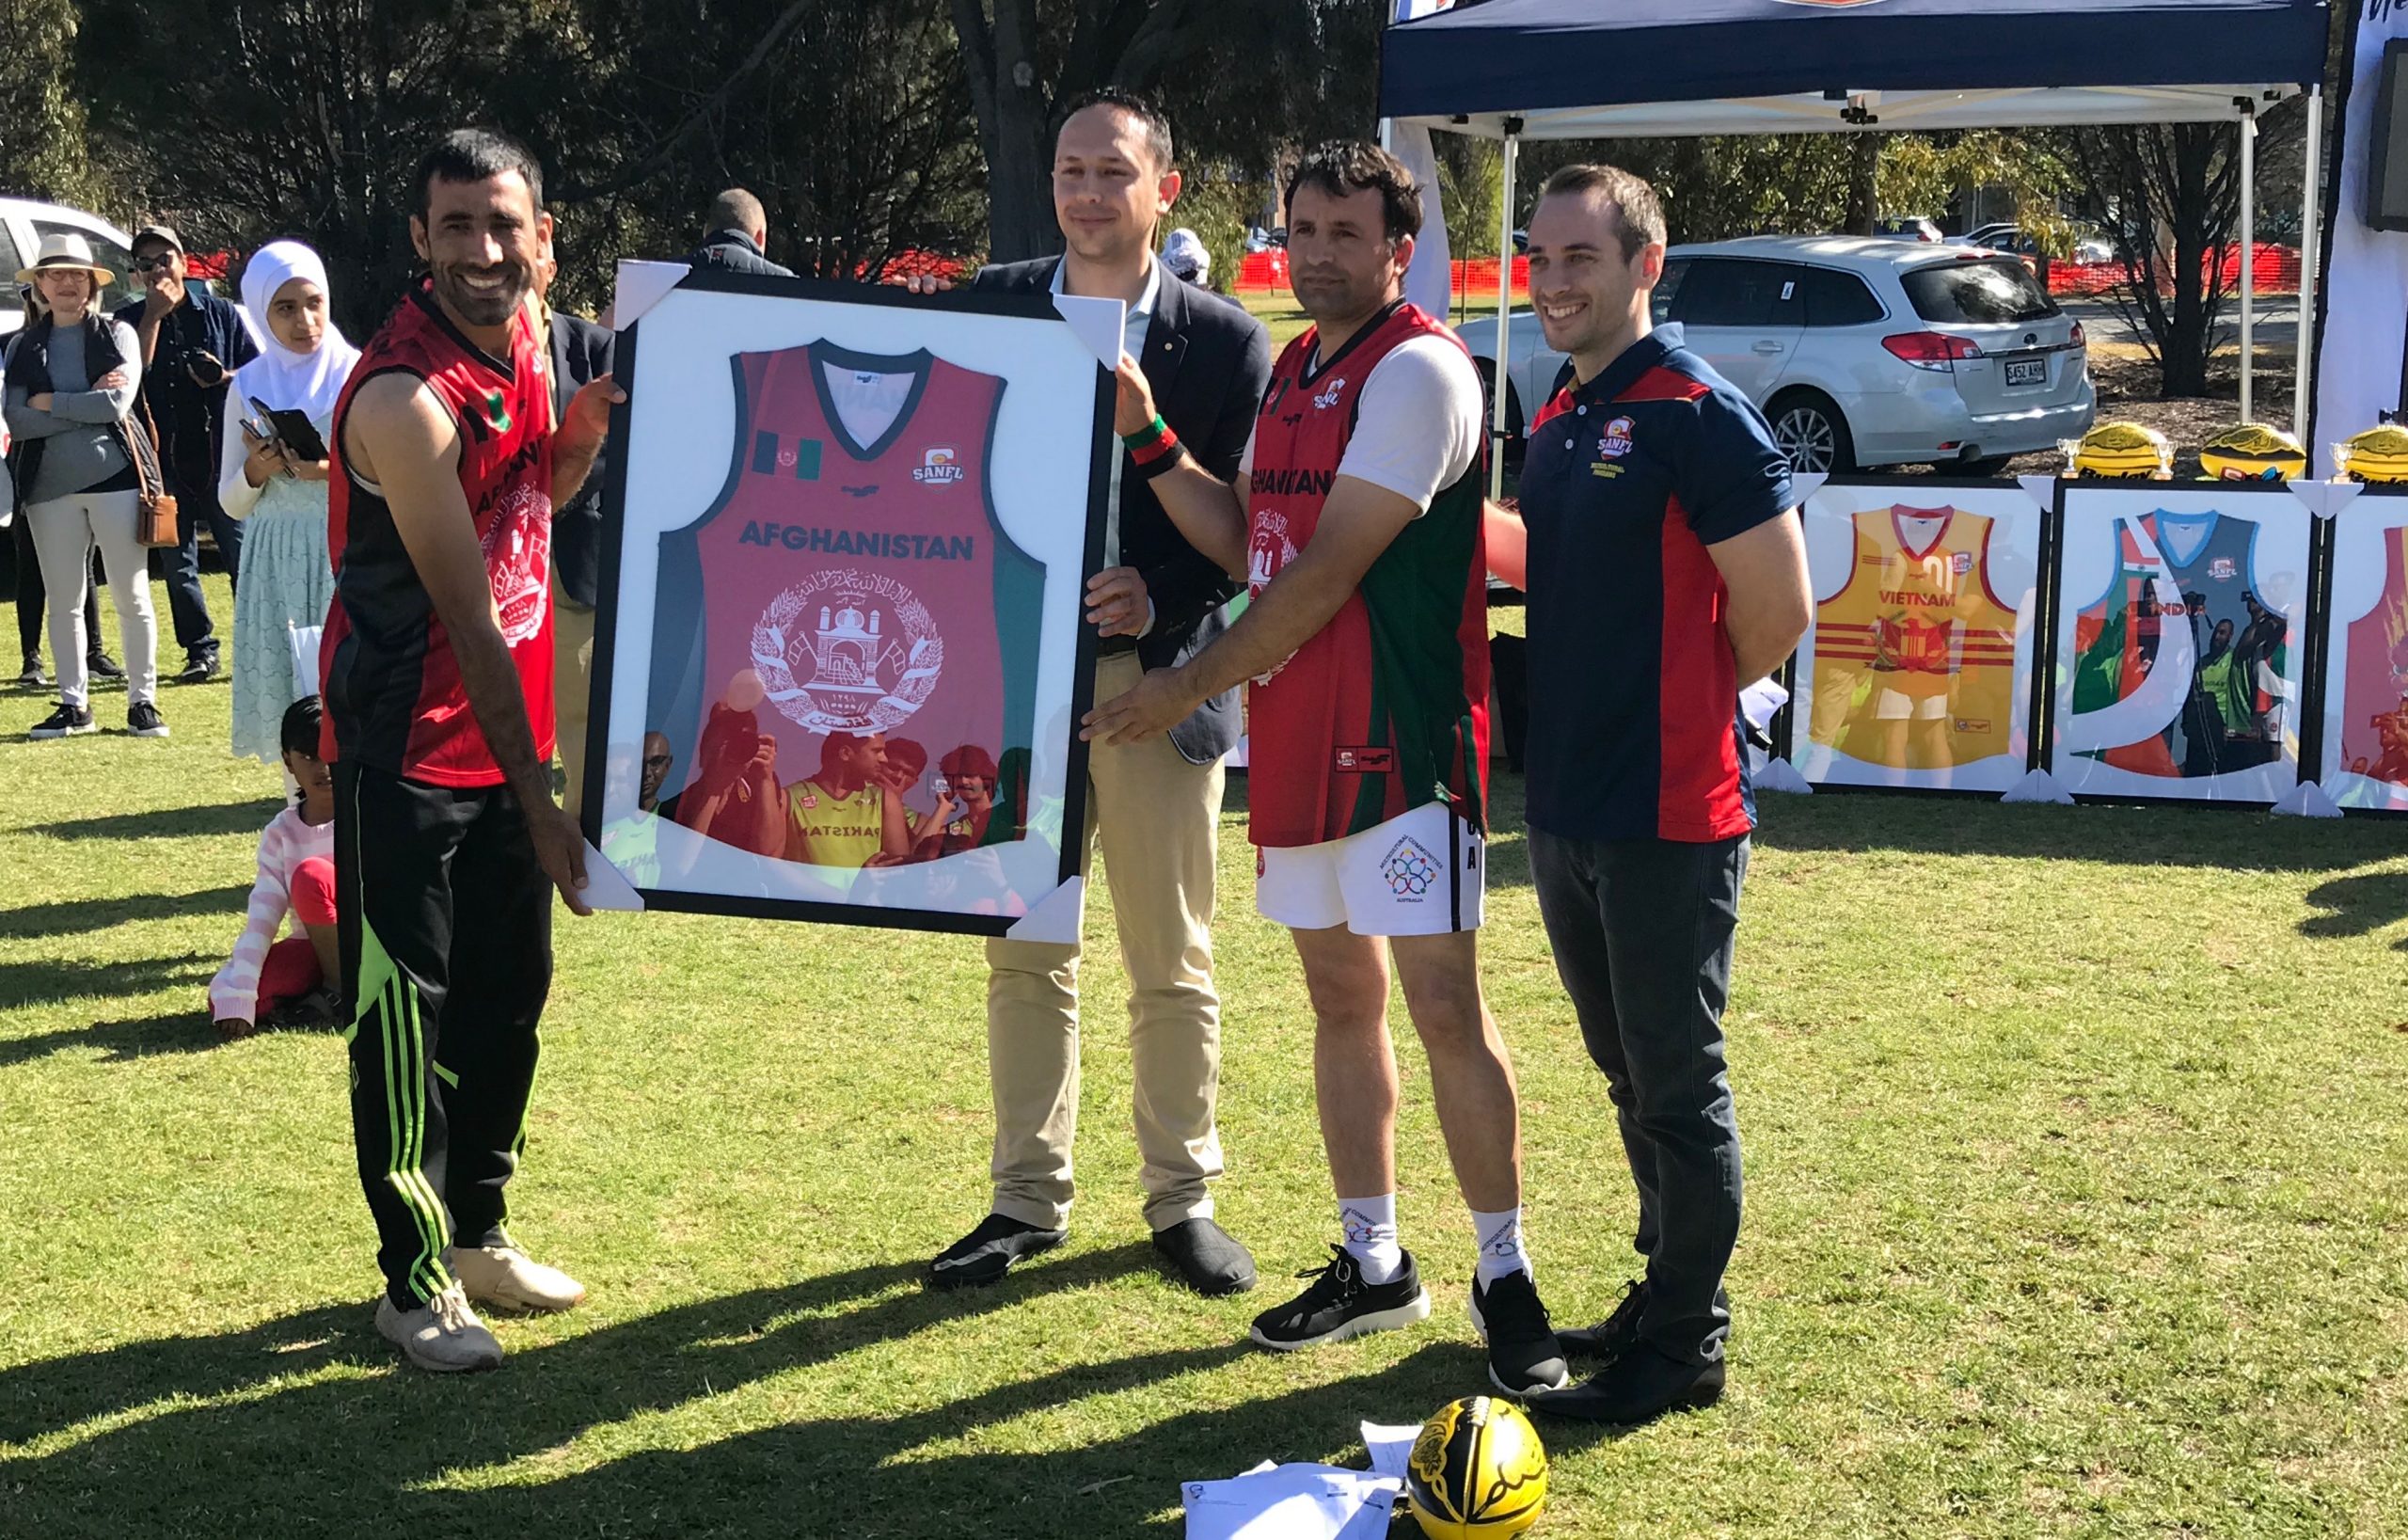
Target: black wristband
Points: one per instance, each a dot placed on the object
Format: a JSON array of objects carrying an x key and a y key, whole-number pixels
[{"x": 1177, "y": 457}]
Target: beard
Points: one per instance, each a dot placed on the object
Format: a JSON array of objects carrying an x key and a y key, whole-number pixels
[{"x": 479, "y": 308}]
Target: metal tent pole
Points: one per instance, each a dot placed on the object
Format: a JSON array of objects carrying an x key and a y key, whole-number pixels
[
  {"x": 2248, "y": 256},
  {"x": 2311, "y": 248},
  {"x": 1512, "y": 145}
]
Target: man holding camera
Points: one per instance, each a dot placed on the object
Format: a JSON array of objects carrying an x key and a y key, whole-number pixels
[{"x": 192, "y": 343}]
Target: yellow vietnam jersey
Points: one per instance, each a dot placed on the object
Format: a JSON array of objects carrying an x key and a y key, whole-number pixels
[
  {"x": 1916, "y": 637},
  {"x": 829, "y": 830}
]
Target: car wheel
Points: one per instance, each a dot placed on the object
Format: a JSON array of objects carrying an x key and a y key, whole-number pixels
[
  {"x": 1514, "y": 442},
  {"x": 1811, "y": 431}
]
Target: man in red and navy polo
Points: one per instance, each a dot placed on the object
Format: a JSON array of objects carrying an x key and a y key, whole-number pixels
[{"x": 1665, "y": 567}]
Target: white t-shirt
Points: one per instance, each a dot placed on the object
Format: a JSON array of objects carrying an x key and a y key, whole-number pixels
[{"x": 1417, "y": 424}]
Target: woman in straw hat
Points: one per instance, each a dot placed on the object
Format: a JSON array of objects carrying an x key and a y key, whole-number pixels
[{"x": 71, "y": 382}]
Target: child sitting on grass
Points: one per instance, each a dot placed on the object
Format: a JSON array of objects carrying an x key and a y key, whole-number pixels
[{"x": 290, "y": 982}]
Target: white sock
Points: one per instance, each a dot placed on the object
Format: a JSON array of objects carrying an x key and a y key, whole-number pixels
[
  {"x": 1501, "y": 1243},
  {"x": 1370, "y": 1224}
]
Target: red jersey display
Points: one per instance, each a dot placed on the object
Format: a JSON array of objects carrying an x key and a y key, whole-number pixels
[
  {"x": 852, "y": 577},
  {"x": 2374, "y": 684},
  {"x": 387, "y": 674},
  {"x": 1386, "y": 707}
]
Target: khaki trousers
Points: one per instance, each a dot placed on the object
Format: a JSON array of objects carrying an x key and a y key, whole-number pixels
[
  {"x": 1156, "y": 818},
  {"x": 571, "y": 690}
]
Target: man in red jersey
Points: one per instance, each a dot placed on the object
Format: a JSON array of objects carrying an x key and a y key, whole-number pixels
[
  {"x": 1355, "y": 520},
  {"x": 435, "y": 670}
]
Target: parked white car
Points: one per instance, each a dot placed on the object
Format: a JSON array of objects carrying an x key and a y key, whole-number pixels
[
  {"x": 1863, "y": 352},
  {"x": 24, "y": 222}
]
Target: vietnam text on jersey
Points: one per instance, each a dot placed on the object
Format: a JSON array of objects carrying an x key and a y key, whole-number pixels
[
  {"x": 392, "y": 691},
  {"x": 1633, "y": 731},
  {"x": 852, "y": 576},
  {"x": 1914, "y": 656},
  {"x": 1386, "y": 707}
]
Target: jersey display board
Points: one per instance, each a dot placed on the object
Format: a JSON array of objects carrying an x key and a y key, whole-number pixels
[
  {"x": 2181, "y": 620},
  {"x": 840, "y": 661},
  {"x": 2365, "y": 656},
  {"x": 1918, "y": 670}
]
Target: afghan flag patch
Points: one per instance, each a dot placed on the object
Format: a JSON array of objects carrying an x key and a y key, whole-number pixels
[{"x": 496, "y": 411}]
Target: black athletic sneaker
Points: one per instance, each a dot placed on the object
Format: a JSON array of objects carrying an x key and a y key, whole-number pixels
[
  {"x": 102, "y": 666},
  {"x": 1616, "y": 1335},
  {"x": 987, "y": 1253},
  {"x": 1523, "y": 1355},
  {"x": 143, "y": 721},
  {"x": 65, "y": 721},
  {"x": 1338, "y": 1304},
  {"x": 201, "y": 669},
  {"x": 319, "y": 1008},
  {"x": 35, "y": 676}
]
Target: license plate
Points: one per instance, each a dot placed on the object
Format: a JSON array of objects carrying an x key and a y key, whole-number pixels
[{"x": 2027, "y": 371}]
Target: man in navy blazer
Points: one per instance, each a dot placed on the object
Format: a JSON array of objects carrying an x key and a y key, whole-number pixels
[{"x": 1153, "y": 808}]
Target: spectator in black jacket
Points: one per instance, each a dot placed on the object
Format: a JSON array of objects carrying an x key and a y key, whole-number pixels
[
  {"x": 1155, "y": 807},
  {"x": 578, "y": 351},
  {"x": 740, "y": 235}
]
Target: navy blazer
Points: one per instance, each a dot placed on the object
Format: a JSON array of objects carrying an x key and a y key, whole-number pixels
[
  {"x": 580, "y": 353},
  {"x": 1209, "y": 362}
]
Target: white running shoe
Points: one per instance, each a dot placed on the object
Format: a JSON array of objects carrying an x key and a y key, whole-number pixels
[
  {"x": 506, "y": 1277},
  {"x": 442, "y": 1336}
]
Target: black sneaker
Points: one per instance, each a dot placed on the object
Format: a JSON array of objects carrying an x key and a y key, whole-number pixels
[
  {"x": 1206, "y": 1258},
  {"x": 1616, "y": 1335},
  {"x": 201, "y": 669},
  {"x": 319, "y": 1008},
  {"x": 35, "y": 676},
  {"x": 987, "y": 1253},
  {"x": 1338, "y": 1304},
  {"x": 142, "y": 719},
  {"x": 102, "y": 666},
  {"x": 1639, "y": 1386},
  {"x": 1523, "y": 1355},
  {"x": 65, "y": 721}
]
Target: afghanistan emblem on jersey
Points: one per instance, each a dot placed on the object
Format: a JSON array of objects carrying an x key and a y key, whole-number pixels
[
  {"x": 1266, "y": 553},
  {"x": 517, "y": 546},
  {"x": 848, "y": 652}
]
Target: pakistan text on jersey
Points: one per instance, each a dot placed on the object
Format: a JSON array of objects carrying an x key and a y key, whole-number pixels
[
  {"x": 1280, "y": 484},
  {"x": 914, "y": 548}
]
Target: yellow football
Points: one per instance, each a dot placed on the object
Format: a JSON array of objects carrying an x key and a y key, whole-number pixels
[
  {"x": 1477, "y": 1473},
  {"x": 2252, "y": 451},
  {"x": 2378, "y": 454},
  {"x": 2123, "y": 452}
]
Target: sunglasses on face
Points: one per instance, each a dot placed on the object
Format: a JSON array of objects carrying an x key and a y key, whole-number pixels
[{"x": 159, "y": 263}]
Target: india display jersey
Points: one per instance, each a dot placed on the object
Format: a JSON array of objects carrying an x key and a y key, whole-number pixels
[
  {"x": 1386, "y": 707},
  {"x": 2374, "y": 686},
  {"x": 2179, "y": 634},
  {"x": 1916, "y": 635},
  {"x": 853, "y": 577}
]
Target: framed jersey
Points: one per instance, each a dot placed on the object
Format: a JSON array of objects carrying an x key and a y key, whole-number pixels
[
  {"x": 2181, "y": 630},
  {"x": 2365, "y": 748},
  {"x": 1918, "y": 670},
  {"x": 840, "y": 662}
]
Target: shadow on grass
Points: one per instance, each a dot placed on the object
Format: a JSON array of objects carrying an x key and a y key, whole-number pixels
[
  {"x": 56, "y": 980},
  {"x": 168, "y": 1032},
  {"x": 166, "y": 822},
  {"x": 82, "y": 916},
  {"x": 2357, "y": 906},
  {"x": 204, "y": 1437}
]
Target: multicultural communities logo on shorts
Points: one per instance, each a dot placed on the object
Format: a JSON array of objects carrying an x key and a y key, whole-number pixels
[
  {"x": 1411, "y": 871},
  {"x": 848, "y": 652}
]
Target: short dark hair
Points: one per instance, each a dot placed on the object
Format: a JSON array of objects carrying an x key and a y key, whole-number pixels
[
  {"x": 300, "y": 731},
  {"x": 474, "y": 154},
  {"x": 1344, "y": 167},
  {"x": 1150, "y": 117},
  {"x": 737, "y": 209},
  {"x": 1639, "y": 214}
]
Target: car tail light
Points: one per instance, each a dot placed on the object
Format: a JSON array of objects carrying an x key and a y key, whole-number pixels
[
  {"x": 1934, "y": 350},
  {"x": 2076, "y": 339}
]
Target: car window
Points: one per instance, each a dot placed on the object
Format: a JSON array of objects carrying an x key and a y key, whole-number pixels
[
  {"x": 1726, "y": 292},
  {"x": 10, "y": 259},
  {"x": 1834, "y": 298},
  {"x": 1668, "y": 289},
  {"x": 118, "y": 260},
  {"x": 1992, "y": 292}
]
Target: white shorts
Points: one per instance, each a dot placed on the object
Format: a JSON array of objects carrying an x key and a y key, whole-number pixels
[
  {"x": 1897, "y": 705},
  {"x": 1422, "y": 873}
]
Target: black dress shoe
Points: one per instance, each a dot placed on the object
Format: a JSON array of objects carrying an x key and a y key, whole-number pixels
[
  {"x": 1207, "y": 1259},
  {"x": 1639, "y": 1386},
  {"x": 1616, "y": 1335},
  {"x": 987, "y": 1253}
]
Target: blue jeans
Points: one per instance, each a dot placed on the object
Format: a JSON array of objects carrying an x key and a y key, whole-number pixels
[
  {"x": 1641, "y": 930},
  {"x": 194, "y": 632}
]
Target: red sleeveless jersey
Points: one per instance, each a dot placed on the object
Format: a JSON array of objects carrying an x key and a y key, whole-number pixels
[
  {"x": 838, "y": 586},
  {"x": 1387, "y": 707},
  {"x": 387, "y": 676}
]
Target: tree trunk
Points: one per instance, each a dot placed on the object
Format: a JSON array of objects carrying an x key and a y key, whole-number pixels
[
  {"x": 1000, "y": 60},
  {"x": 1863, "y": 184}
]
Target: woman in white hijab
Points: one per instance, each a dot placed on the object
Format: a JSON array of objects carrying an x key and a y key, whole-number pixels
[{"x": 288, "y": 577}]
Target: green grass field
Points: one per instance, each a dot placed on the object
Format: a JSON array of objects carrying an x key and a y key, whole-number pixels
[{"x": 2078, "y": 1166}]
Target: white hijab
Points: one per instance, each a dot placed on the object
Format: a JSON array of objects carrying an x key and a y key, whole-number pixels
[{"x": 286, "y": 380}]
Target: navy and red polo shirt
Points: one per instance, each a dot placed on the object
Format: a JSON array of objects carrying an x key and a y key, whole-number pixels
[{"x": 1634, "y": 722}]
